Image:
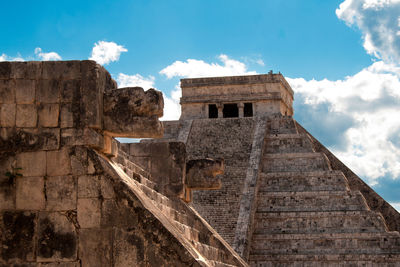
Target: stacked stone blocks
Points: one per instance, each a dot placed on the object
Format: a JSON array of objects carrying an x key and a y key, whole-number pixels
[
  {"x": 62, "y": 200},
  {"x": 307, "y": 215}
]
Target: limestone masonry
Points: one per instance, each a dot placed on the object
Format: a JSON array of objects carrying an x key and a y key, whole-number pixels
[{"x": 235, "y": 182}]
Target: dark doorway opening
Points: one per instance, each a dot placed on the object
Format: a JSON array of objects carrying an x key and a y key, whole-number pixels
[
  {"x": 212, "y": 111},
  {"x": 248, "y": 110},
  {"x": 230, "y": 111}
]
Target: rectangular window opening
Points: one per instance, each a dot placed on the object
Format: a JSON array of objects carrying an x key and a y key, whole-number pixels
[
  {"x": 230, "y": 111},
  {"x": 248, "y": 110},
  {"x": 212, "y": 111}
]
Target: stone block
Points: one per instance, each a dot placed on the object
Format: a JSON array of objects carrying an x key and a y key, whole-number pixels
[
  {"x": 79, "y": 160},
  {"x": 25, "y": 91},
  {"x": 89, "y": 212},
  {"x": 58, "y": 163},
  {"x": 26, "y": 70},
  {"x": 88, "y": 186},
  {"x": 7, "y": 185},
  {"x": 95, "y": 247},
  {"x": 129, "y": 248},
  {"x": 91, "y": 94},
  {"x": 61, "y": 193},
  {"x": 65, "y": 70},
  {"x": 7, "y": 196},
  {"x": 79, "y": 137},
  {"x": 5, "y": 70},
  {"x": 26, "y": 115},
  {"x": 44, "y": 138},
  {"x": 66, "y": 117},
  {"x": 48, "y": 91},
  {"x": 32, "y": 163},
  {"x": 30, "y": 193},
  {"x": 48, "y": 115},
  {"x": 7, "y": 115},
  {"x": 143, "y": 162},
  {"x": 70, "y": 90},
  {"x": 18, "y": 236},
  {"x": 115, "y": 214},
  {"x": 107, "y": 189},
  {"x": 140, "y": 149},
  {"x": 57, "y": 237},
  {"x": 7, "y": 91}
]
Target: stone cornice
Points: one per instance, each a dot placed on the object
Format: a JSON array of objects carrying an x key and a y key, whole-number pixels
[{"x": 237, "y": 80}]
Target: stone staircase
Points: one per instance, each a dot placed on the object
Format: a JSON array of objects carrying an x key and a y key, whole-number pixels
[
  {"x": 230, "y": 139},
  {"x": 185, "y": 220},
  {"x": 307, "y": 215}
]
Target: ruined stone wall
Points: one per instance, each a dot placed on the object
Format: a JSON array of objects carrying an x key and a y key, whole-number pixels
[
  {"x": 59, "y": 202},
  {"x": 230, "y": 139},
  {"x": 165, "y": 162}
]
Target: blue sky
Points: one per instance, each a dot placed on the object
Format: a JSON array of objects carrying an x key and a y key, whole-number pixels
[{"x": 341, "y": 58}]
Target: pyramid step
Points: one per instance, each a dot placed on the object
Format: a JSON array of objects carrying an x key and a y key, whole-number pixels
[
  {"x": 127, "y": 163},
  {"x": 191, "y": 228},
  {"x": 147, "y": 182},
  {"x": 304, "y": 181},
  {"x": 310, "y": 201},
  {"x": 295, "y": 162},
  {"x": 334, "y": 260},
  {"x": 319, "y": 222},
  {"x": 209, "y": 252},
  {"x": 287, "y": 143},
  {"x": 176, "y": 215},
  {"x": 339, "y": 243},
  {"x": 281, "y": 125},
  {"x": 190, "y": 233}
]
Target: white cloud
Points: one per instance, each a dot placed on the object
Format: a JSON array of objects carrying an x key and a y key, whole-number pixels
[
  {"x": 172, "y": 108},
  {"x": 46, "y": 56},
  {"x": 379, "y": 22},
  {"x": 199, "y": 68},
  {"x": 371, "y": 98},
  {"x": 125, "y": 80},
  {"x": 4, "y": 57},
  {"x": 260, "y": 62},
  {"x": 106, "y": 52}
]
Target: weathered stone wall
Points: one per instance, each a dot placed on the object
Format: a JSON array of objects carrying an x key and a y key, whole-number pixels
[
  {"x": 69, "y": 196},
  {"x": 57, "y": 204},
  {"x": 230, "y": 139},
  {"x": 165, "y": 162}
]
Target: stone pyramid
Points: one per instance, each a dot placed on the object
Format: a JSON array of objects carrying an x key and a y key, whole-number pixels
[{"x": 286, "y": 200}]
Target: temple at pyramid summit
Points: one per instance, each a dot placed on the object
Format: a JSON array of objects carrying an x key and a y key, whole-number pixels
[{"x": 236, "y": 181}]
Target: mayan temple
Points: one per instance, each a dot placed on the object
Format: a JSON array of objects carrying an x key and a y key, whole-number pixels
[{"x": 236, "y": 181}]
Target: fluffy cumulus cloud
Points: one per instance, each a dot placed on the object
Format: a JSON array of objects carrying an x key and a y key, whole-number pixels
[
  {"x": 46, "y": 56},
  {"x": 172, "y": 108},
  {"x": 125, "y": 80},
  {"x": 379, "y": 21},
  {"x": 105, "y": 52},
  {"x": 198, "y": 68},
  {"x": 4, "y": 57},
  {"x": 368, "y": 125}
]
